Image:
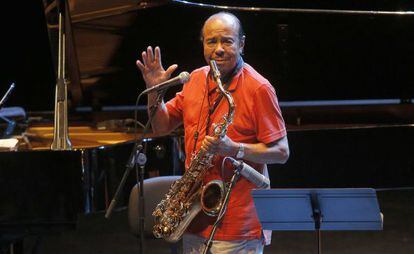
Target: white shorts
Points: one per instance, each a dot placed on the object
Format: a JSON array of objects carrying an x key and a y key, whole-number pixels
[{"x": 193, "y": 244}]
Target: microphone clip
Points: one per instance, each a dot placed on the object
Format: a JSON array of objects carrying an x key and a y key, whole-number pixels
[{"x": 238, "y": 165}]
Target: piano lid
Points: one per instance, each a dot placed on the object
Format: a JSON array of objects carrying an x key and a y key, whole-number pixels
[
  {"x": 301, "y": 6},
  {"x": 305, "y": 56}
]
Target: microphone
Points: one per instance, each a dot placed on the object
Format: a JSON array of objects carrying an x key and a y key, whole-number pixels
[
  {"x": 251, "y": 174},
  {"x": 180, "y": 79}
]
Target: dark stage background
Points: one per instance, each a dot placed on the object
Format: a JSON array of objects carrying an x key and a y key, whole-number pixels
[{"x": 306, "y": 57}]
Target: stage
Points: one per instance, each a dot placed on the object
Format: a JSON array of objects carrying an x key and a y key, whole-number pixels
[{"x": 96, "y": 235}]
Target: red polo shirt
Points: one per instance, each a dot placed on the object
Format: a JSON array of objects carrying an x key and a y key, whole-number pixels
[{"x": 257, "y": 119}]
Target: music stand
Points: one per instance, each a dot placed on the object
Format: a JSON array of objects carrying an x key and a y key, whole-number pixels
[{"x": 318, "y": 209}]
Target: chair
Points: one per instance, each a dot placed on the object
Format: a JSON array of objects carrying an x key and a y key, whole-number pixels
[{"x": 154, "y": 190}]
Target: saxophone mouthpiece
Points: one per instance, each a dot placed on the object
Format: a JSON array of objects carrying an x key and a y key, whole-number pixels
[{"x": 214, "y": 69}]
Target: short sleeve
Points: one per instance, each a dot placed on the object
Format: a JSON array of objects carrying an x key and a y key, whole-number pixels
[
  {"x": 270, "y": 125},
  {"x": 175, "y": 108}
]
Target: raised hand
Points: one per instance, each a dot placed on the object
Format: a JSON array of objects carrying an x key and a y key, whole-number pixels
[{"x": 151, "y": 67}]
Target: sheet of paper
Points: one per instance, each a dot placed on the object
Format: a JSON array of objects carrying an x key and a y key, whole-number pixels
[{"x": 8, "y": 143}]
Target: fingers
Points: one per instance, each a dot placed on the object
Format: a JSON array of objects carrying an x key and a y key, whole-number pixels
[
  {"x": 140, "y": 65},
  {"x": 151, "y": 66},
  {"x": 222, "y": 146},
  {"x": 152, "y": 59},
  {"x": 144, "y": 58},
  {"x": 157, "y": 57},
  {"x": 210, "y": 144},
  {"x": 150, "y": 55},
  {"x": 212, "y": 139},
  {"x": 171, "y": 69}
]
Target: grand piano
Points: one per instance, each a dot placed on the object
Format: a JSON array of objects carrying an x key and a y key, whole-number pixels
[{"x": 342, "y": 72}]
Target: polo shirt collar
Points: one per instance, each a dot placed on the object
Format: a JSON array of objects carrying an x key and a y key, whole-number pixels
[{"x": 232, "y": 78}]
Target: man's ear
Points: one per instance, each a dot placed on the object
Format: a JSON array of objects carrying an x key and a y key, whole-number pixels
[{"x": 241, "y": 45}]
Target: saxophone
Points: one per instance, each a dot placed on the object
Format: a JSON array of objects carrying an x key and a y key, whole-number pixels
[{"x": 186, "y": 196}]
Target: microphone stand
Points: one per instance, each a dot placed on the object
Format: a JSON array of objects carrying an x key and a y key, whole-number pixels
[
  {"x": 10, "y": 123},
  {"x": 6, "y": 95},
  {"x": 137, "y": 157},
  {"x": 234, "y": 178}
]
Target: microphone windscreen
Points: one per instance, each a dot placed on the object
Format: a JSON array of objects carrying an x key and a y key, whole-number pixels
[{"x": 184, "y": 77}]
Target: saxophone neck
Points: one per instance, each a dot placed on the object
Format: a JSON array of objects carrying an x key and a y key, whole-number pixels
[{"x": 216, "y": 76}]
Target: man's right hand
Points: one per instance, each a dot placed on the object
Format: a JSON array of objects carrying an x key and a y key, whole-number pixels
[{"x": 151, "y": 67}]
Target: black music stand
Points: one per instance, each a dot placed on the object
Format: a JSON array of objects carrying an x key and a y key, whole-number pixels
[{"x": 318, "y": 209}]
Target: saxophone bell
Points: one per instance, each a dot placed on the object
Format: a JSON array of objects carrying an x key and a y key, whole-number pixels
[{"x": 212, "y": 197}]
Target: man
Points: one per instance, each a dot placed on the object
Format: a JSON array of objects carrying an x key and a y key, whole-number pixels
[{"x": 257, "y": 134}]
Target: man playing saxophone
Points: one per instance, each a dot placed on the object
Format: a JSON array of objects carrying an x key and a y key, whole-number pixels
[{"x": 257, "y": 134}]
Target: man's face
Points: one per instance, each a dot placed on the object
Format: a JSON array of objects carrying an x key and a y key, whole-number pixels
[{"x": 221, "y": 43}]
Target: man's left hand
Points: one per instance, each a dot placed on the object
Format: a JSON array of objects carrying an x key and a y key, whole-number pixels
[{"x": 222, "y": 146}]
